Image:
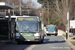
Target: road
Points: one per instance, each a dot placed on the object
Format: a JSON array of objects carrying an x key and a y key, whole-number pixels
[
  {"x": 50, "y": 43},
  {"x": 14, "y": 46}
]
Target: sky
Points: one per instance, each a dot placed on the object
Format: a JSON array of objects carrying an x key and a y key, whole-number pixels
[{"x": 35, "y": 1}]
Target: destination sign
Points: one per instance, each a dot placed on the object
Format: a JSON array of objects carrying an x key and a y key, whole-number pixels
[{"x": 27, "y": 19}]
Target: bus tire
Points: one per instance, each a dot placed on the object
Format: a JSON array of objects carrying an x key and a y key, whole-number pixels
[
  {"x": 55, "y": 34},
  {"x": 38, "y": 42},
  {"x": 42, "y": 40},
  {"x": 18, "y": 42}
]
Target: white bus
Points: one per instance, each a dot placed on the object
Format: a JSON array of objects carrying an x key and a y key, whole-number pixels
[{"x": 29, "y": 28}]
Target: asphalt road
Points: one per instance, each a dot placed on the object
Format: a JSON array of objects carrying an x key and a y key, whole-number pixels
[
  {"x": 50, "y": 43},
  {"x": 15, "y": 46}
]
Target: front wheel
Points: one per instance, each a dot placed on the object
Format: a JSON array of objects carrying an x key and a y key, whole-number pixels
[
  {"x": 42, "y": 40},
  {"x": 55, "y": 34},
  {"x": 38, "y": 42},
  {"x": 18, "y": 42}
]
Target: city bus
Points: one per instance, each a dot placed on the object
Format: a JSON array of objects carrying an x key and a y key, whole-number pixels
[
  {"x": 51, "y": 30},
  {"x": 29, "y": 29}
]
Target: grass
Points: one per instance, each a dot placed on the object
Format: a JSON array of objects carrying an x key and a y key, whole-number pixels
[
  {"x": 3, "y": 35},
  {"x": 73, "y": 42},
  {"x": 69, "y": 35}
]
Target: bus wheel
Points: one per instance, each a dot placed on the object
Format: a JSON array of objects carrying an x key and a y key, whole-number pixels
[
  {"x": 39, "y": 42},
  {"x": 55, "y": 34},
  {"x": 42, "y": 40},
  {"x": 18, "y": 42}
]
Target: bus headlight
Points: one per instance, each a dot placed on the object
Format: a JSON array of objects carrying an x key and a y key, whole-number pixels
[
  {"x": 54, "y": 32},
  {"x": 36, "y": 34},
  {"x": 17, "y": 34},
  {"x": 47, "y": 32}
]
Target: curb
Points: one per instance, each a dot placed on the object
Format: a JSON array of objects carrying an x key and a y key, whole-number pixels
[
  {"x": 4, "y": 43},
  {"x": 69, "y": 43}
]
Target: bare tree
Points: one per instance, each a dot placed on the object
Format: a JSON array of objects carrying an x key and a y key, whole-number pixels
[
  {"x": 29, "y": 3},
  {"x": 62, "y": 7}
]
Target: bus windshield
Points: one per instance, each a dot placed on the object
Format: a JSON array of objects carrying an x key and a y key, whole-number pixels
[
  {"x": 27, "y": 26},
  {"x": 51, "y": 28}
]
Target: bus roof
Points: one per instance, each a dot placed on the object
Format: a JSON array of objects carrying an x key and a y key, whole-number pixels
[
  {"x": 16, "y": 17},
  {"x": 20, "y": 16}
]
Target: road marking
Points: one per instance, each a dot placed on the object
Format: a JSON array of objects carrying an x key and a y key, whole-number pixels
[{"x": 30, "y": 48}]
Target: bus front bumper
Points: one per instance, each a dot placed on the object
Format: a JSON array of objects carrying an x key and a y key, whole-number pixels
[
  {"x": 28, "y": 38},
  {"x": 51, "y": 33}
]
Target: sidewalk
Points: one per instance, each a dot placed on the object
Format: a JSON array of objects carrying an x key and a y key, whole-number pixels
[
  {"x": 68, "y": 40},
  {"x": 69, "y": 43},
  {"x": 60, "y": 32},
  {"x": 4, "y": 42}
]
